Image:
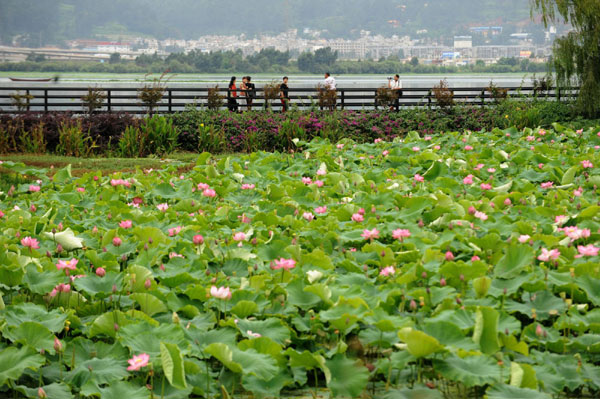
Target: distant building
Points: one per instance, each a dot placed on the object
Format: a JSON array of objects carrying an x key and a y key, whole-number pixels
[{"x": 463, "y": 41}]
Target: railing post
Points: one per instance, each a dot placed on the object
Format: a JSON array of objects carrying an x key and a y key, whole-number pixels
[
  {"x": 46, "y": 100},
  {"x": 28, "y": 101},
  {"x": 558, "y": 94},
  {"x": 429, "y": 99},
  {"x": 343, "y": 98},
  {"x": 375, "y": 98},
  {"x": 170, "y": 101},
  {"x": 482, "y": 97}
]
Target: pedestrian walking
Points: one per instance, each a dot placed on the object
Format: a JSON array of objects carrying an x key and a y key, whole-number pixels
[
  {"x": 284, "y": 94},
  {"x": 232, "y": 104}
]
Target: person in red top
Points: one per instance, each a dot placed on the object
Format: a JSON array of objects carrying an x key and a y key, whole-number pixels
[{"x": 232, "y": 95}]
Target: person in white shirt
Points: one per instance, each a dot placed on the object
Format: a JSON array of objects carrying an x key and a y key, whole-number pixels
[
  {"x": 395, "y": 84},
  {"x": 329, "y": 81}
]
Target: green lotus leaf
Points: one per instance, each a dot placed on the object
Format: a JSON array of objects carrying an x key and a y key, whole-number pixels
[
  {"x": 13, "y": 362},
  {"x": 348, "y": 378},
  {"x": 419, "y": 344},
  {"x": 502, "y": 391},
  {"x": 172, "y": 364},
  {"x": 471, "y": 371}
]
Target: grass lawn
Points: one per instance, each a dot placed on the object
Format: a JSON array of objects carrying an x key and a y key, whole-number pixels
[{"x": 105, "y": 165}]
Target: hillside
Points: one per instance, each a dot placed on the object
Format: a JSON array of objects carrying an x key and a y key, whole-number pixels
[{"x": 53, "y": 21}]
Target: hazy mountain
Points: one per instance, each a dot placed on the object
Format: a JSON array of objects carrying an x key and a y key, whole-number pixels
[{"x": 53, "y": 21}]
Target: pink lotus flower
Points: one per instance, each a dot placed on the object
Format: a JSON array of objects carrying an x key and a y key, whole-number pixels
[
  {"x": 209, "y": 193},
  {"x": 472, "y": 210},
  {"x": 67, "y": 264},
  {"x": 239, "y": 237},
  {"x": 137, "y": 362},
  {"x": 507, "y": 202},
  {"x": 307, "y": 180},
  {"x": 339, "y": 146},
  {"x": 587, "y": 164},
  {"x": 437, "y": 147},
  {"x": 321, "y": 210},
  {"x": 449, "y": 256},
  {"x": 530, "y": 138},
  {"x": 30, "y": 243},
  {"x": 253, "y": 334},
  {"x": 475, "y": 258},
  {"x": 387, "y": 271},
  {"x": 308, "y": 216},
  {"x": 481, "y": 215},
  {"x": 546, "y": 185},
  {"x": 542, "y": 132},
  {"x": 524, "y": 238},
  {"x": 248, "y": 186},
  {"x": 548, "y": 255},
  {"x": 419, "y": 179},
  {"x": 370, "y": 234},
  {"x": 561, "y": 219},
  {"x": 578, "y": 192},
  {"x": 175, "y": 255},
  {"x": 400, "y": 234},
  {"x": 60, "y": 288},
  {"x": 1, "y": 214},
  {"x": 358, "y": 218},
  {"x": 486, "y": 186},
  {"x": 80, "y": 190},
  {"x": 174, "y": 231},
  {"x": 468, "y": 180},
  {"x": 385, "y": 153},
  {"x": 321, "y": 172},
  {"x": 34, "y": 189},
  {"x": 468, "y": 148},
  {"x": 116, "y": 241},
  {"x": 220, "y": 293},
  {"x": 479, "y": 166},
  {"x": 319, "y": 183},
  {"x": 588, "y": 250},
  {"x": 100, "y": 272},
  {"x": 198, "y": 239},
  {"x": 162, "y": 207},
  {"x": 126, "y": 224},
  {"x": 120, "y": 182},
  {"x": 491, "y": 170},
  {"x": 281, "y": 263},
  {"x": 377, "y": 141}
]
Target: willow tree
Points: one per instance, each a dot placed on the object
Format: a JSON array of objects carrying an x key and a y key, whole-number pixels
[{"x": 576, "y": 56}]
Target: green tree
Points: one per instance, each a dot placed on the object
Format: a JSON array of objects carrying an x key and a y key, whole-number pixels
[
  {"x": 576, "y": 55},
  {"x": 414, "y": 61},
  {"x": 115, "y": 58}
]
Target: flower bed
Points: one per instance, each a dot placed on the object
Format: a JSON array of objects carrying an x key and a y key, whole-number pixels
[{"x": 459, "y": 263}]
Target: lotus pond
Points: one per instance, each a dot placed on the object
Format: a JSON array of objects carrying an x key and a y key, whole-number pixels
[{"x": 463, "y": 264}]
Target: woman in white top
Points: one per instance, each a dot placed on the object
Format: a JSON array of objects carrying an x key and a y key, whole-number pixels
[{"x": 395, "y": 84}]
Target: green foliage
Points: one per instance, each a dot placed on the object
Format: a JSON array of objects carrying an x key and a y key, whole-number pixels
[
  {"x": 356, "y": 315},
  {"x": 33, "y": 141},
  {"x": 576, "y": 55},
  {"x": 72, "y": 141},
  {"x": 156, "y": 136}
]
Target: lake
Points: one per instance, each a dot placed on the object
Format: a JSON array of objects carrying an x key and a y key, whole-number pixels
[{"x": 298, "y": 81}]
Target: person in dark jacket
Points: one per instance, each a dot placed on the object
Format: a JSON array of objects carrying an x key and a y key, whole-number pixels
[{"x": 284, "y": 94}]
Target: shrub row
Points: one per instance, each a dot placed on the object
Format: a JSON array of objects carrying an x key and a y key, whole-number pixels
[{"x": 126, "y": 135}]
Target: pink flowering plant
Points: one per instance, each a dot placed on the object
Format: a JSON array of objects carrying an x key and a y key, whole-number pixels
[{"x": 333, "y": 266}]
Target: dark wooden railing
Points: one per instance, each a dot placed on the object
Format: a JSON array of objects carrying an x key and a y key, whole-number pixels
[{"x": 125, "y": 99}]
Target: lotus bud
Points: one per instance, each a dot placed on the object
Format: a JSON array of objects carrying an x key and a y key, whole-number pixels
[
  {"x": 148, "y": 284},
  {"x": 162, "y": 267},
  {"x": 116, "y": 241},
  {"x": 150, "y": 240},
  {"x": 116, "y": 327},
  {"x": 413, "y": 304},
  {"x": 198, "y": 239},
  {"x": 505, "y": 291},
  {"x": 48, "y": 254},
  {"x": 462, "y": 277},
  {"x": 539, "y": 331},
  {"x": 114, "y": 289},
  {"x": 41, "y": 393},
  {"x": 424, "y": 275},
  {"x": 506, "y": 332},
  {"x": 100, "y": 272},
  {"x": 58, "y": 347},
  {"x": 443, "y": 282},
  {"x": 146, "y": 247},
  {"x": 482, "y": 286},
  {"x": 421, "y": 224},
  {"x": 254, "y": 241},
  {"x": 449, "y": 256}
]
